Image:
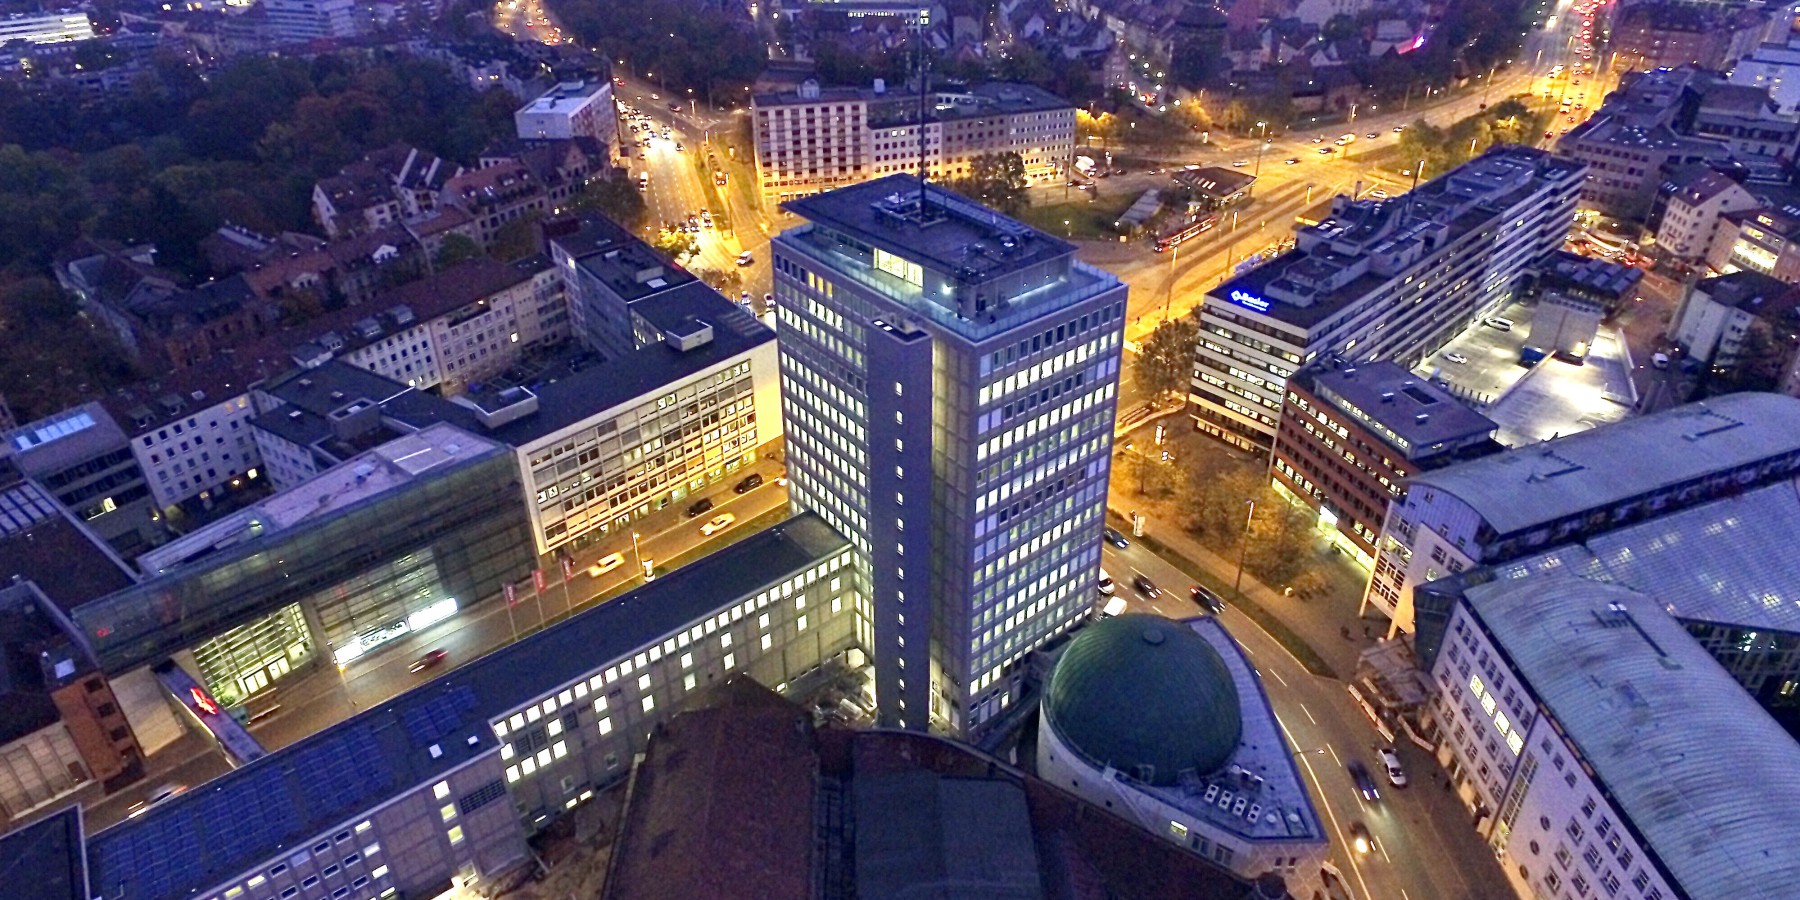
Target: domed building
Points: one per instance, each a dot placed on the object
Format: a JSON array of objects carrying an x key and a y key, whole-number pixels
[{"x": 1165, "y": 723}]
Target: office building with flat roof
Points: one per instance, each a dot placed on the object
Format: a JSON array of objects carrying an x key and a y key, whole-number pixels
[
  {"x": 949, "y": 378},
  {"x": 84, "y": 458},
  {"x": 1602, "y": 752},
  {"x": 815, "y": 138},
  {"x": 610, "y": 441},
  {"x": 304, "y": 21},
  {"x": 440, "y": 786},
  {"x": 47, "y": 28},
  {"x": 1351, "y": 437},
  {"x": 1387, "y": 279},
  {"x": 1502, "y": 507}
]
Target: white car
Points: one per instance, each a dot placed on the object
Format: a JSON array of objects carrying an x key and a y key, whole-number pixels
[
  {"x": 606, "y": 564},
  {"x": 1457, "y": 358},
  {"x": 1106, "y": 584},
  {"x": 1391, "y": 762},
  {"x": 1379, "y": 194},
  {"x": 719, "y": 523},
  {"x": 1240, "y": 163}
]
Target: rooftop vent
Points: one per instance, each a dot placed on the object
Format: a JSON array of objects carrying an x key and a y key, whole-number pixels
[{"x": 306, "y": 382}]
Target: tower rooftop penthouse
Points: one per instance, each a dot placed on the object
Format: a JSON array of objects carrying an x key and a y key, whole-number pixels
[{"x": 957, "y": 263}]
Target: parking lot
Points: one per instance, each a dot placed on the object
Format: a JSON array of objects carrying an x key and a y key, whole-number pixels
[{"x": 1550, "y": 399}]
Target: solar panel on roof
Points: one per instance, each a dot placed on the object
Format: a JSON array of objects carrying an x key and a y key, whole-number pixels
[{"x": 443, "y": 716}]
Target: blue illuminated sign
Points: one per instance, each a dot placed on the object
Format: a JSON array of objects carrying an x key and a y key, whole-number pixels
[{"x": 1251, "y": 300}]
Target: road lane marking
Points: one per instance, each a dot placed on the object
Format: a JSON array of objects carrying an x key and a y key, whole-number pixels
[
  {"x": 1334, "y": 756},
  {"x": 1309, "y": 715},
  {"x": 1349, "y": 851}
]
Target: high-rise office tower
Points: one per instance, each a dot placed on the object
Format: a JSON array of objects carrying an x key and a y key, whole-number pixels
[{"x": 948, "y": 381}]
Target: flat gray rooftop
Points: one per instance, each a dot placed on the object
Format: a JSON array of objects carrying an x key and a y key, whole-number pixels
[
  {"x": 1729, "y": 561},
  {"x": 957, "y": 237},
  {"x": 1532, "y": 485},
  {"x": 1705, "y": 775},
  {"x": 1413, "y": 408}
]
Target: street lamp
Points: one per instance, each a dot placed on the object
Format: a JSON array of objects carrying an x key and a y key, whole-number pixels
[
  {"x": 1262, "y": 142},
  {"x": 1237, "y": 586}
]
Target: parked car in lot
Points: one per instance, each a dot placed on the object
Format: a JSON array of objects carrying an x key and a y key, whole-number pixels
[
  {"x": 429, "y": 660},
  {"x": 1210, "y": 601},
  {"x": 606, "y": 564},
  {"x": 1391, "y": 761},
  {"x": 719, "y": 523},
  {"x": 1365, "y": 785},
  {"x": 1146, "y": 587},
  {"x": 1293, "y": 160},
  {"x": 1457, "y": 358},
  {"x": 1116, "y": 539},
  {"x": 700, "y": 507},
  {"x": 750, "y": 483}
]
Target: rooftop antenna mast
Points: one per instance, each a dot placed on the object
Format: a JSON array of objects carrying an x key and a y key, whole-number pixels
[{"x": 923, "y": 70}]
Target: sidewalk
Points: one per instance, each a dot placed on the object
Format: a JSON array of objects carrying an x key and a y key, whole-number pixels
[{"x": 1318, "y": 623}]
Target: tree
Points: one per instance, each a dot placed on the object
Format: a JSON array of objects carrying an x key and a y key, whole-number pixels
[
  {"x": 997, "y": 180},
  {"x": 454, "y": 249},
  {"x": 1166, "y": 363},
  {"x": 1280, "y": 533},
  {"x": 615, "y": 198},
  {"x": 676, "y": 244},
  {"x": 516, "y": 239},
  {"x": 1216, "y": 503}
]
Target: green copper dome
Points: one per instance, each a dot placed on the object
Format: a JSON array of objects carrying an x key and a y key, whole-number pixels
[{"x": 1147, "y": 696}]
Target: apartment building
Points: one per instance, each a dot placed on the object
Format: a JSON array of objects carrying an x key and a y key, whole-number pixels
[
  {"x": 816, "y": 139},
  {"x": 1774, "y": 67},
  {"x": 1716, "y": 315},
  {"x": 304, "y": 21},
  {"x": 1689, "y": 208},
  {"x": 191, "y": 433},
  {"x": 1386, "y": 279},
  {"x": 949, "y": 379},
  {"x": 495, "y": 197},
  {"x": 1764, "y": 240},
  {"x": 1498, "y": 508},
  {"x": 443, "y": 784},
  {"x": 1351, "y": 437},
  {"x": 1602, "y": 752},
  {"x": 50, "y": 28},
  {"x": 569, "y": 110}
]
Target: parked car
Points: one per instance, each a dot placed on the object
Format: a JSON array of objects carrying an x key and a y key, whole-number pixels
[
  {"x": 1391, "y": 761},
  {"x": 719, "y": 523},
  {"x": 606, "y": 564},
  {"x": 1212, "y": 602},
  {"x": 750, "y": 483},
  {"x": 700, "y": 507},
  {"x": 1365, "y": 785},
  {"x": 1146, "y": 587},
  {"x": 745, "y": 258},
  {"x": 1116, "y": 539},
  {"x": 1457, "y": 358},
  {"x": 1114, "y": 606},
  {"x": 1240, "y": 163},
  {"x": 1293, "y": 160},
  {"x": 1499, "y": 323},
  {"x": 1106, "y": 584},
  {"x": 429, "y": 660}
]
